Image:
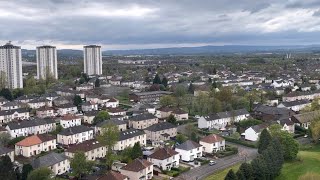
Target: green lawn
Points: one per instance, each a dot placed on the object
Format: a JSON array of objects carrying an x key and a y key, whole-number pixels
[
  {"x": 309, "y": 161},
  {"x": 221, "y": 174}
]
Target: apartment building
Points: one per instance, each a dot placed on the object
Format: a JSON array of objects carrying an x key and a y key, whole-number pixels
[
  {"x": 74, "y": 135},
  {"x": 57, "y": 163},
  {"x": 142, "y": 121},
  {"x": 129, "y": 137},
  {"x": 92, "y": 149},
  {"x": 161, "y": 131}
]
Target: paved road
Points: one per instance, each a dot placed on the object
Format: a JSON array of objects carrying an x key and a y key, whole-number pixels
[{"x": 245, "y": 153}]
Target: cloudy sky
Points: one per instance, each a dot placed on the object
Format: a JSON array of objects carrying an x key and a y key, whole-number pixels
[{"x": 135, "y": 24}]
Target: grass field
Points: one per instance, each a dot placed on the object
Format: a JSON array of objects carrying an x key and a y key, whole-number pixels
[
  {"x": 309, "y": 161},
  {"x": 221, "y": 174}
]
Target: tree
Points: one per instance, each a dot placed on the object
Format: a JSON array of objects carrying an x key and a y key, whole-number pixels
[
  {"x": 97, "y": 83},
  {"x": 289, "y": 145},
  {"x": 181, "y": 138},
  {"x": 180, "y": 91},
  {"x": 156, "y": 79},
  {"x": 264, "y": 141},
  {"x": 3, "y": 80},
  {"x": 42, "y": 173},
  {"x": 77, "y": 100},
  {"x": 6, "y": 93},
  {"x": 100, "y": 117},
  {"x": 191, "y": 88},
  {"x": 246, "y": 170},
  {"x": 79, "y": 164},
  {"x": 108, "y": 137},
  {"x": 58, "y": 129},
  {"x": 172, "y": 119},
  {"x": 166, "y": 100},
  {"x": 4, "y": 138},
  {"x": 315, "y": 129},
  {"x": 231, "y": 175},
  {"x": 259, "y": 167},
  {"x": 164, "y": 82},
  {"x": 240, "y": 175},
  {"x": 6, "y": 168},
  {"x": 26, "y": 169},
  {"x": 136, "y": 151}
]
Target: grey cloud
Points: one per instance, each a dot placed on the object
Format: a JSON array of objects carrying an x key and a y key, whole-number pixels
[{"x": 168, "y": 22}]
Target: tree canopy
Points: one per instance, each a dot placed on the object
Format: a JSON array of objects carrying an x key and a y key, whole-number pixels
[{"x": 42, "y": 173}]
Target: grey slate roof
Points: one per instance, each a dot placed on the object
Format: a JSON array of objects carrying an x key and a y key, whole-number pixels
[
  {"x": 10, "y": 112},
  {"x": 4, "y": 150},
  {"x": 160, "y": 127},
  {"x": 188, "y": 145},
  {"x": 48, "y": 160},
  {"x": 66, "y": 106},
  {"x": 74, "y": 130},
  {"x": 29, "y": 123},
  {"x": 130, "y": 134},
  {"x": 226, "y": 114},
  {"x": 295, "y": 103},
  {"x": 142, "y": 117},
  {"x": 112, "y": 121}
]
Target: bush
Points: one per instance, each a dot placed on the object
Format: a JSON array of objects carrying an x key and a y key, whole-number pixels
[
  {"x": 244, "y": 143},
  {"x": 12, "y": 142}
]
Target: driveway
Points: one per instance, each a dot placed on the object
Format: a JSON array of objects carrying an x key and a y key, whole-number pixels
[{"x": 245, "y": 154}]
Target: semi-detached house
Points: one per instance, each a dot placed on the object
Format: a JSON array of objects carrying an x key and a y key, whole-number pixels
[
  {"x": 161, "y": 131},
  {"x": 92, "y": 149},
  {"x": 142, "y": 121},
  {"x": 35, "y": 144},
  {"x": 129, "y": 137}
]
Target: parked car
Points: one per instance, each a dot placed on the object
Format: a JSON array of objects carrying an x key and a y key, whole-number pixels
[{"x": 211, "y": 163}]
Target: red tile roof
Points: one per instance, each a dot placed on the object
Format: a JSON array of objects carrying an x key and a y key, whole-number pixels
[
  {"x": 35, "y": 139},
  {"x": 137, "y": 165},
  {"x": 212, "y": 138},
  {"x": 163, "y": 153}
]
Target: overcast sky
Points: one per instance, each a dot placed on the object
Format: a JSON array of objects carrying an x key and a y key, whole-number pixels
[{"x": 135, "y": 24}]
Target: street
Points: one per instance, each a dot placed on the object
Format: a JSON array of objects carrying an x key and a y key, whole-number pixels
[{"x": 245, "y": 153}]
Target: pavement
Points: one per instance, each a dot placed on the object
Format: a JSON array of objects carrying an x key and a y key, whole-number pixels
[{"x": 245, "y": 154}]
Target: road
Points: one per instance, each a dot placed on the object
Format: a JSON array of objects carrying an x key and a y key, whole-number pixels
[{"x": 245, "y": 153}]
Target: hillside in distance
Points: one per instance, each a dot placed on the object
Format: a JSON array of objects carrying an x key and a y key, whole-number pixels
[{"x": 214, "y": 50}]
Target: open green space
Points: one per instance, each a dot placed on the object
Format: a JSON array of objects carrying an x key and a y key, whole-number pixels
[
  {"x": 308, "y": 161},
  {"x": 221, "y": 174}
]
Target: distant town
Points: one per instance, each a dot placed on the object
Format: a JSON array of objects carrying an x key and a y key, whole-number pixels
[{"x": 187, "y": 117}]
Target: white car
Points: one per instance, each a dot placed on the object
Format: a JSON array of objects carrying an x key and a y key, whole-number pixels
[{"x": 211, "y": 163}]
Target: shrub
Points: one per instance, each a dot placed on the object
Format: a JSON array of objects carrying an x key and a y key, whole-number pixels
[{"x": 244, "y": 143}]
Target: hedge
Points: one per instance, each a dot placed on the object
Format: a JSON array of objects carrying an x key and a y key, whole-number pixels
[{"x": 236, "y": 141}]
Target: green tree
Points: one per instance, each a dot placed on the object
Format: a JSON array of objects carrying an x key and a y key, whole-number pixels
[
  {"x": 260, "y": 169},
  {"x": 42, "y": 173},
  {"x": 26, "y": 169},
  {"x": 264, "y": 141},
  {"x": 3, "y": 80},
  {"x": 172, "y": 119},
  {"x": 6, "y": 168},
  {"x": 231, "y": 175},
  {"x": 79, "y": 164},
  {"x": 315, "y": 129},
  {"x": 157, "y": 79},
  {"x": 136, "y": 151},
  {"x": 164, "y": 82},
  {"x": 180, "y": 91},
  {"x": 246, "y": 170},
  {"x": 100, "y": 117},
  {"x": 108, "y": 137},
  {"x": 77, "y": 100},
  {"x": 58, "y": 129},
  {"x": 4, "y": 138},
  {"x": 181, "y": 138},
  {"x": 289, "y": 145},
  {"x": 97, "y": 83},
  {"x": 191, "y": 88},
  {"x": 240, "y": 175},
  {"x": 166, "y": 101},
  {"x": 6, "y": 93}
]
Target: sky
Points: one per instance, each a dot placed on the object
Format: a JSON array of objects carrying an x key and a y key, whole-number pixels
[{"x": 138, "y": 24}]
